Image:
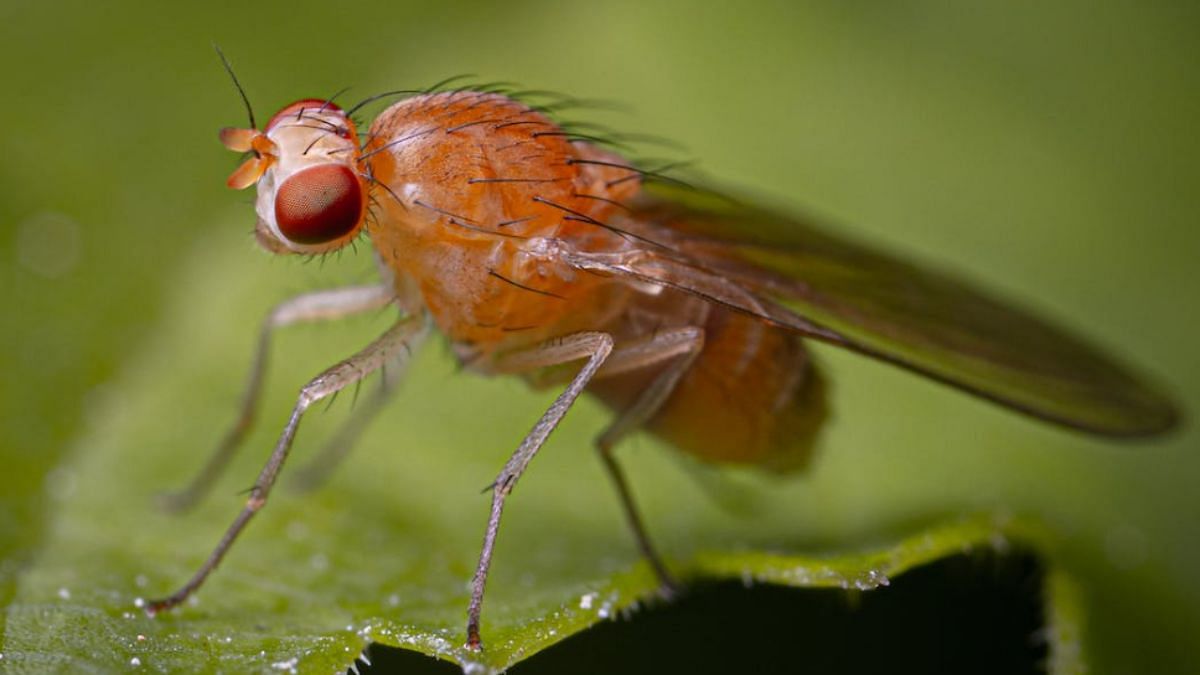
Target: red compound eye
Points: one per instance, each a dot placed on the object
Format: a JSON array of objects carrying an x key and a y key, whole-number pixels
[{"x": 319, "y": 204}]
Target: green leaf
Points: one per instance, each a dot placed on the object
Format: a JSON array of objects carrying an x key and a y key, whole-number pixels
[
  {"x": 1045, "y": 149},
  {"x": 383, "y": 553}
]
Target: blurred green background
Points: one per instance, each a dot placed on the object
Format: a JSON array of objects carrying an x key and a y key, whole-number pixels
[{"x": 1049, "y": 150}]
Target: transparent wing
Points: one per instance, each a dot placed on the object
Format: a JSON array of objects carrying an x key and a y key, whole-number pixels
[{"x": 794, "y": 275}]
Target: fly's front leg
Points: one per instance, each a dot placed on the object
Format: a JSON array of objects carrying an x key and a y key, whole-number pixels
[
  {"x": 310, "y": 307},
  {"x": 593, "y": 346},
  {"x": 318, "y": 470},
  {"x": 683, "y": 345},
  {"x": 383, "y": 350}
]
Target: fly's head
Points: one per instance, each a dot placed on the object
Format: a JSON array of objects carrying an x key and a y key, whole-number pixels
[{"x": 312, "y": 197}]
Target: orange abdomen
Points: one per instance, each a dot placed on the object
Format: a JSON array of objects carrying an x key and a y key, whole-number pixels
[{"x": 752, "y": 396}]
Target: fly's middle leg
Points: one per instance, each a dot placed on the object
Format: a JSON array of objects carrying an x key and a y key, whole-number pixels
[{"x": 681, "y": 346}]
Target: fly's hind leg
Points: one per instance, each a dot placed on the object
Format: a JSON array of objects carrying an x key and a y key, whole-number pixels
[
  {"x": 310, "y": 307},
  {"x": 682, "y": 345}
]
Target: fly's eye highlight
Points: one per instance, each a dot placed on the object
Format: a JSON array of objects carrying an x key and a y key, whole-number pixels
[{"x": 319, "y": 204}]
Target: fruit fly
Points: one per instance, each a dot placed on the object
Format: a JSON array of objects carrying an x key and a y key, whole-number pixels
[{"x": 533, "y": 250}]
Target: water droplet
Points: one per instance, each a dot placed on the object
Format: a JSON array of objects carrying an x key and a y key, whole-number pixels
[
  {"x": 870, "y": 580},
  {"x": 139, "y": 603},
  {"x": 135, "y": 662},
  {"x": 586, "y": 600},
  {"x": 64, "y": 594},
  {"x": 474, "y": 668}
]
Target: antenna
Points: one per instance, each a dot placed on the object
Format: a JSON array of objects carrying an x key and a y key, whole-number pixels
[{"x": 229, "y": 69}]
